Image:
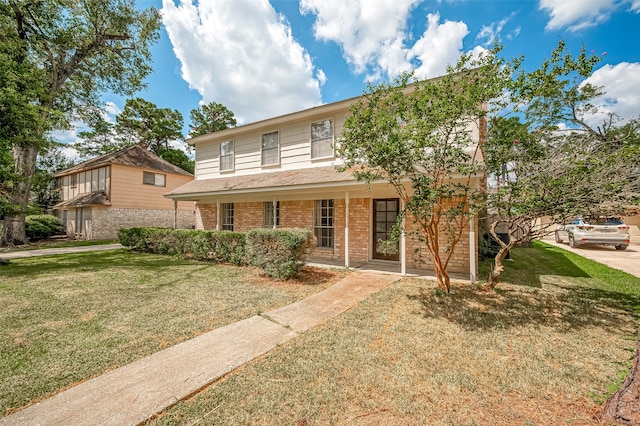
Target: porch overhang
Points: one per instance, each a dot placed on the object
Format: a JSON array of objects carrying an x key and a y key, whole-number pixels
[
  {"x": 299, "y": 184},
  {"x": 97, "y": 198}
]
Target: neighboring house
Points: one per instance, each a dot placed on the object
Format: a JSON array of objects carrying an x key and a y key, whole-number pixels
[
  {"x": 122, "y": 189},
  {"x": 280, "y": 172}
]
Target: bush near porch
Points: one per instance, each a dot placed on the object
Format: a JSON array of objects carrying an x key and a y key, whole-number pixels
[{"x": 281, "y": 253}]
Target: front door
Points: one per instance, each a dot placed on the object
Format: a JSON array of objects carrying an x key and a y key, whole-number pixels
[{"x": 385, "y": 215}]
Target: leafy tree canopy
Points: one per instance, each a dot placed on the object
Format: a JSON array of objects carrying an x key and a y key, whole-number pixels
[{"x": 210, "y": 118}]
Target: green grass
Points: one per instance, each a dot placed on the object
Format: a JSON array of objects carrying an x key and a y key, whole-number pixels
[
  {"x": 67, "y": 318},
  {"x": 546, "y": 348}
]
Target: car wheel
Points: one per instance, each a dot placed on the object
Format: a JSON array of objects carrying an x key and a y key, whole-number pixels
[
  {"x": 558, "y": 239},
  {"x": 572, "y": 242},
  {"x": 621, "y": 247}
]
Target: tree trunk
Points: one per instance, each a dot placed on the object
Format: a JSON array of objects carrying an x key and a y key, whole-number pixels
[
  {"x": 623, "y": 408},
  {"x": 13, "y": 230},
  {"x": 498, "y": 267}
]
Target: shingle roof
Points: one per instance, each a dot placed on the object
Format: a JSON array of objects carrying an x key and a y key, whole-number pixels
[
  {"x": 97, "y": 198},
  {"x": 272, "y": 180},
  {"x": 134, "y": 156}
]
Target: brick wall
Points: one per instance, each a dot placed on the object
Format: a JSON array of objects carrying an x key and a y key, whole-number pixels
[
  {"x": 299, "y": 214},
  {"x": 106, "y": 221}
]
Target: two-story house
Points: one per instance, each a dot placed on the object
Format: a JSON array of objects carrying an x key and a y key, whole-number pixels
[
  {"x": 121, "y": 189},
  {"x": 280, "y": 172}
]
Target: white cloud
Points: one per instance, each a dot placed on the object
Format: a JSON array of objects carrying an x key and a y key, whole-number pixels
[
  {"x": 368, "y": 35},
  {"x": 376, "y": 41},
  {"x": 439, "y": 46},
  {"x": 577, "y": 15},
  {"x": 490, "y": 33},
  {"x": 621, "y": 83},
  {"x": 243, "y": 55},
  {"x": 635, "y": 6}
]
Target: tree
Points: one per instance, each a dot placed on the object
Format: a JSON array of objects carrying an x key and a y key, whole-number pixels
[
  {"x": 556, "y": 163},
  {"x": 58, "y": 57},
  {"x": 416, "y": 138},
  {"x": 210, "y": 118},
  {"x": 140, "y": 123},
  {"x": 44, "y": 194}
]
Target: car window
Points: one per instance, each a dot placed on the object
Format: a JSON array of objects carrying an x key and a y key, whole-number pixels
[{"x": 609, "y": 221}]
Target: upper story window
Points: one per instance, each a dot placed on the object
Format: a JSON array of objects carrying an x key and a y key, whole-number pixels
[
  {"x": 226, "y": 155},
  {"x": 270, "y": 148},
  {"x": 271, "y": 214},
  {"x": 156, "y": 179},
  {"x": 322, "y": 139},
  {"x": 73, "y": 180}
]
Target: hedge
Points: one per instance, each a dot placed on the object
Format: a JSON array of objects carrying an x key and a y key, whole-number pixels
[
  {"x": 217, "y": 246},
  {"x": 41, "y": 226},
  {"x": 281, "y": 253}
]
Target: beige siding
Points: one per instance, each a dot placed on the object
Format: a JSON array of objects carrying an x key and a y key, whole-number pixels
[
  {"x": 295, "y": 149},
  {"x": 128, "y": 191}
]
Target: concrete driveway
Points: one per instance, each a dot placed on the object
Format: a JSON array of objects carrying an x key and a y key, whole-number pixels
[{"x": 625, "y": 260}]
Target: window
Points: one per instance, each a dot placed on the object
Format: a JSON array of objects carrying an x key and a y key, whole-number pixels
[
  {"x": 226, "y": 216},
  {"x": 156, "y": 179},
  {"x": 322, "y": 139},
  {"x": 73, "y": 180},
  {"x": 323, "y": 222},
  {"x": 270, "y": 149},
  {"x": 226, "y": 155},
  {"x": 269, "y": 214}
]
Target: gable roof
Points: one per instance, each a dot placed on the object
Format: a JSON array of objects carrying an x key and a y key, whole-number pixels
[
  {"x": 134, "y": 156},
  {"x": 98, "y": 198}
]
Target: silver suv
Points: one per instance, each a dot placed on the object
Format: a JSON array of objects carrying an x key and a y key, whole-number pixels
[{"x": 608, "y": 231}]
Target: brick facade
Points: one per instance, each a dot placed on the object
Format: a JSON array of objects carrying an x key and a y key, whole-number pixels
[
  {"x": 299, "y": 214},
  {"x": 102, "y": 223}
]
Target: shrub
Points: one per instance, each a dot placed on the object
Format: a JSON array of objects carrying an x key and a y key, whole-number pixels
[
  {"x": 281, "y": 253},
  {"x": 42, "y": 226},
  {"x": 217, "y": 246}
]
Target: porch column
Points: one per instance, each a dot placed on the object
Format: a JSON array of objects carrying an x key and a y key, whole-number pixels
[
  {"x": 275, "y": 213},
  {"x": 346, "y": 230},
  {"x": 217, "y": 215},
  {"x": 472, "y": 250},
  {"x": 175, "y": 214},
  {"x": 403, "y": 245}
]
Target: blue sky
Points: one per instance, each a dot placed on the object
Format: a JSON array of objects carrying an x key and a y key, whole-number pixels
[{"x": 265, "y": 58}]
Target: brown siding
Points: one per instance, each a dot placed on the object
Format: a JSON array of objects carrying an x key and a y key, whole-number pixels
[{"x": 128, "y": 191}]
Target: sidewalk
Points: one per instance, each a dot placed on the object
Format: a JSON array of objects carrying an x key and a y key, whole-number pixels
[
  {"x": 60, "y": 250},
  {"x": 134, "y": 393}
]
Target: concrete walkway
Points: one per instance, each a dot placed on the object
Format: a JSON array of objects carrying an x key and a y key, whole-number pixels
[
  {"x": 132, "y": 394},
  {"x": 60, "y": 250}
]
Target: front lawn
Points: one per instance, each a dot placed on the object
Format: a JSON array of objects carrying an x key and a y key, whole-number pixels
[
  {"x": 547, "y": 348},
  {"x": 67, "y": 318}
]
